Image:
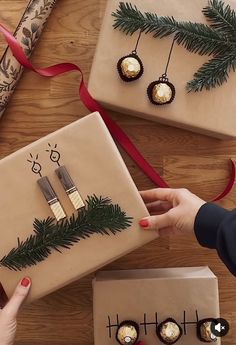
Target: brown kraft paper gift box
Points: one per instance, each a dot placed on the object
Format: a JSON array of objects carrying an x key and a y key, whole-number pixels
[
  {"x": 94, "y": 163},
  {"x": 153, "y": 295},
  {"x": 208, "y": 112}
]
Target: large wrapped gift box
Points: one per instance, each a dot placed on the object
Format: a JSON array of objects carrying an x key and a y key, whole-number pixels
[
  {"x": 208, "y": 112},
  {"x": 149, "y": 297},
  {"x": 93, "y": 161}
]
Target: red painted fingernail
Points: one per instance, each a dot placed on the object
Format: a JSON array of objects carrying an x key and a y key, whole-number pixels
[
  {"x": 25, "y": 282},
  {"x": 144, "y": 223}
]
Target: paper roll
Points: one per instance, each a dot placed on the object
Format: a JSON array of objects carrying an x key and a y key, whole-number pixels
[{"x": 27, "y": 33}]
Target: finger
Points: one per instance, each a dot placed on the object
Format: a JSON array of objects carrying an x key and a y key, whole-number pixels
[
  {"x": 18, "y": 297},
  {"x": 156, "y": 222},
  {"x": 158, "y": 206},
  {"x": 166, "y": 232},
  {"x": 165, "y": 194},
  {"x": 3, "y": 297}
]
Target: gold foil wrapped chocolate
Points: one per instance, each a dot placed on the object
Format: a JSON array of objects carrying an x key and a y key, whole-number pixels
[
  {"x": 169, "y": 332},
  {"x": 161, "y": 92},
  {"x": 130, "y": 67},
  {"x": 204, "y": 331},
  {"x": 127, "y": 333}
]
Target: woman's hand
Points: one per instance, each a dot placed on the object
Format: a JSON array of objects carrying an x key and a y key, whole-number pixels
[
  {"x": 9, "y": 313},
  {"x": 173, "y": 211}
]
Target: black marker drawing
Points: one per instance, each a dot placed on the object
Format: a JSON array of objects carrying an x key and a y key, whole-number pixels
[
  {"x": 189, "y": 322},
  {"x": 145, "y": 323},
  {"x": 110, "y": 325},
  {"x": 54, "y": 154},
  {"x": 154, "y": 323},
  {"x": 36, "y": 167}
]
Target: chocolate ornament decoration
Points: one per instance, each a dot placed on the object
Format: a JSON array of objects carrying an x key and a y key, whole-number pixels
[
  {"x": 27, "y": 33},
  {"x": 161, "y": 91},
  {"x": 204, "y": 332},
  {"x": 130, "y": 67},
  {"x": 127, "y": 333},
  {"x": 169, "y": 332}
]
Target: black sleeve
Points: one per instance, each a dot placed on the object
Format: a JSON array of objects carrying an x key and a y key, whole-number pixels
[{"x": 215, "y": 228}]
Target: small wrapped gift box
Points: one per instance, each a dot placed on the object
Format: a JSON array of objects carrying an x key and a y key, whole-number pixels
[
  {"x": 149, "y": 297},
  {"x": 50, "y": 178},
  {"x": 208, "y": 112}
]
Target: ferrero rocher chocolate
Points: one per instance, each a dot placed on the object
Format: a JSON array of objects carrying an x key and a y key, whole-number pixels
[
  {"x": 127, "y": 333},
  {"x": 169, "y": 331},
  {"x": 161, "y": 92},
  {"x": 204, "y": 331},
  {"x": 130, "y": 67}
]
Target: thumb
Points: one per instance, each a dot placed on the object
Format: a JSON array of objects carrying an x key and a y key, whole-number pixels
[
  {"x": 18, "y": 297},
  {"x": 156, "y": 222}
]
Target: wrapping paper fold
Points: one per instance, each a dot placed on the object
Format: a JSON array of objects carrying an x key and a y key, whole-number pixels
[
  {"x": 149, "y": 297},
  {"x": 27, "y": 33},
  {"x": 96, "y": 167},
  {"x": 208, "y": 112}
]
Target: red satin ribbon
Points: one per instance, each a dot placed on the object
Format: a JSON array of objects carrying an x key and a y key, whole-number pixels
[{"x": 117, "y": 133}]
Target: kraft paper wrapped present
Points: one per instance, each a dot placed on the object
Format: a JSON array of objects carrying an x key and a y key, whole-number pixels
[
  {"x": 208, "y": 112},
  {"x": 149, "y": 297},
  {"x": 94, "y": 163}
]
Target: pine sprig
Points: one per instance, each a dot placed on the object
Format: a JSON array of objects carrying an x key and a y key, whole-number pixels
[
  {"x": 218, "y": 39},
  {"x": 221, "y": 17},
  {"x": 99, "y": 216},
  {"x": 213, "y": 73}
]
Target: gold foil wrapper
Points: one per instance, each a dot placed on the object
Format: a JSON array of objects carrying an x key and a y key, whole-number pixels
[
  {"x": 130, "y": 67},
  {"x": 206, "y": 333},
  {"x": 170, "y": 332},
  {"x": 161, "y": 93},
  {"x": 127, "y": 334},
  {"x": 27, "y": 33}
]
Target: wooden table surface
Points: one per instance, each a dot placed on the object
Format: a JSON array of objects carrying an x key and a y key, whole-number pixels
[{"x": 40, "y": 106}]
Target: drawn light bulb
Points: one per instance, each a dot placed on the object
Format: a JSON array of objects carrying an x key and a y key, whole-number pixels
[
  {"x": 36, "y": 167},
  {"x": 54, "y": 154}
]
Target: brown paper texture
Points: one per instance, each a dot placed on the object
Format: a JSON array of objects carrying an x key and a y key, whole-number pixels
[
  {"x": 153, "y": 294},
  {"x": 27, "y": 33},
  {"x": 96, "y": 167},
  {"x": 208, "y": 112}
]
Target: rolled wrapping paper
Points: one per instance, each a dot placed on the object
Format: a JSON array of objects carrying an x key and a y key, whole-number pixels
[{"x": 27, "y": 33}]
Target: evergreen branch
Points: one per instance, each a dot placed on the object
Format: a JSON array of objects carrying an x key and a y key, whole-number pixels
[
  {"x": 218, "y": 39},
  {"x": 221, "y": 17},
  {"x": 213, "y": 73},
  {"x": 195, "y": 37},
  {"x": 99, "y": 216}
]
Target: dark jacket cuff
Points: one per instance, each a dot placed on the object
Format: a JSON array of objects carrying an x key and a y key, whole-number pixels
[{"x": 207, "y": 224}]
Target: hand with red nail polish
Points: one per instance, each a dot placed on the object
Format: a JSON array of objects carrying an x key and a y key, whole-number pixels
[
  {"x": 8, "y": 314},
  {"x": 173, "y": 211}
]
